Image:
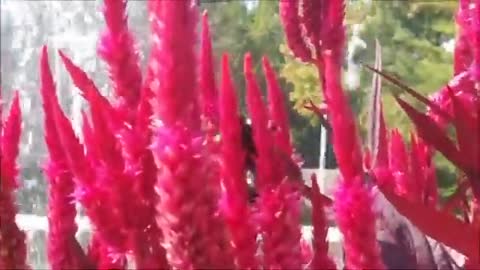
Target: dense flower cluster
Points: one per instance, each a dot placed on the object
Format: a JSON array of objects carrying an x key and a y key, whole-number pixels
[
  {"x": 161, "y": 169},
  {"x": 13, "y": 251}
]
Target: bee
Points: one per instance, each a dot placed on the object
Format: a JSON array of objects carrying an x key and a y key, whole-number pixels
[
  {"x": 290, "y": 169},
  {"x": 248, "y": 144}
]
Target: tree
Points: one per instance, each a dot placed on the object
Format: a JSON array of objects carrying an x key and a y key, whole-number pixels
[
  {"x": 238, "y": 30},
  {"x": 412, "y": 36}
]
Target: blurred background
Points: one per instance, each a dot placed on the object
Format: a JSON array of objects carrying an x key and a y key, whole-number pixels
[{"x": 416, "y": 38}]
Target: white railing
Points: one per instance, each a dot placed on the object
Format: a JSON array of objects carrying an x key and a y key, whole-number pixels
[
  {"x": 326, "y": 179},
  {"x": 35, "y": 226},
  {"x": 31, "y": 223},
  {"x": 40, "y": 223}
]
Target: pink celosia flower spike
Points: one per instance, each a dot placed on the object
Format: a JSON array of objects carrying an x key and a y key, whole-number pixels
[
  {"x": 194, "y": 235},
  {"x": 322, "y": 22},
  {"x": 353, "y": 202},
  {"x": 416, "y": 173},
  {"x": 289, "y": 15},
  {"x": 235, "y": 201},
  {"x": 312, "y": 15},
  {"x": 101, "y": 115},
  {"x": 149, "y": 254},
  {"x": 61, "y": 219},
  {"x": 104, "y": 215},
  {"x": 10, "y": 143},
  {"x": 110, "y": 163},
  {"x": 333, "y": 31},
  {"x": 117, "y": 47},
  {"x": 261, "y": 134},
  {"x": 399, "y": 162},
  {"x": 346, "y": 142},
  {"x": 277, "y": 106},
  {"x": 140, "y": 162},
  {"x": 279, "y": 202},
  {"x": 99, "y": 254},
  {"x": 102, "y": 146},
  {"x": 86, "y": 86},
  {"x": 101, "y": 214},
  {"x": 13, "y": 250},
  {"x": 61, "y": 244},
  {"x": 320, "y": 260},
  {"x": 463, "y": 52},
  {"x": 475, "y": 39},
  {"x": 280, "y": 226},
  {"x": 429, "y": 188},
  {"x": 88, "y": 139},
  {"x": 356, "y": 220},
  {"x": 312, "y": 27},
  {"x": 173, "y": 62},
  {"x": 208, "y": 88}
]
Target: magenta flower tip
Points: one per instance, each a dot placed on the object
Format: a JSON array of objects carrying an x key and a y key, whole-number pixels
[{"x": 356, "y": 220}]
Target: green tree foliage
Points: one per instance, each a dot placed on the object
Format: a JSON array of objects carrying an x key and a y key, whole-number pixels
[
  {"x": 415, "y": 54},
  {"x": 412, "y": 35},
  {"x": 238, "y": 30}
]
